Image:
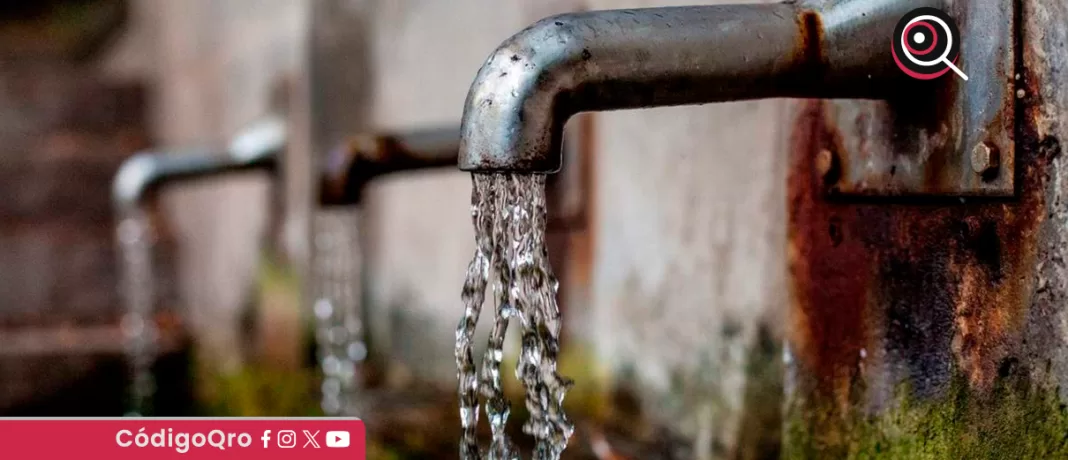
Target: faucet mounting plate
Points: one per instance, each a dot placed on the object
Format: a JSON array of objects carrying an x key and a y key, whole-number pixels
[{"x": 921, "y": 141}]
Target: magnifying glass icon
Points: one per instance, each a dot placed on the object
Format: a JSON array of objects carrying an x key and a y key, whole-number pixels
[
  {"x": 929, "y": 41},
  {"x": 944, "y": 57}
]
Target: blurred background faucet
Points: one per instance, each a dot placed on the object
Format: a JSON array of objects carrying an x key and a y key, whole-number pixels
[
  {"x": 136, "y": 184},
  {"x": 255, "y": 148},
  {"x": 339, "y": 261}
]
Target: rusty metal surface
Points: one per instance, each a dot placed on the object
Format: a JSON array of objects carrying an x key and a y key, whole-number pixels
[
  {"x": 934, "y": 326},
  {"x": 892, "y": 294},
  {"x": 925, "y": 262},
  {"x": 350, "y": 166},
  {"x": 921, "y": 140},
  {"x": 619, "y": 59}
]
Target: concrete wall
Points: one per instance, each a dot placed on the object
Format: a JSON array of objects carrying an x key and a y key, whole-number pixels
[{"x": 689, "y": 258}]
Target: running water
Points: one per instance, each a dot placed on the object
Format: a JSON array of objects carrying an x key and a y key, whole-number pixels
[
  {"x": 339, "y": 329},
  {"x": 135, "y": 241},
  {"x": 509, "y": 217}
]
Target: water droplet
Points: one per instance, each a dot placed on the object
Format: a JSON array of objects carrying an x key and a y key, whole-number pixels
[
  {"x": 331, "y": 365},
  {"x": 357, "y": 351},
  {"x": 331, "y": 404},
  {"x": 323, "y": 309},
  {"x": 137, "y": 284},
  {"x": 331, "y": 386},
  {"x": 338, "y": 329}
]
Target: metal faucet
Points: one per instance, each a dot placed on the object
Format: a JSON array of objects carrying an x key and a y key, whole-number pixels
[
  {"x": 255, "y": 148},
  {"x": 350, "y": 166},
  {"x": 624, "y": 59},
  {"x": 338, "y": 260}
]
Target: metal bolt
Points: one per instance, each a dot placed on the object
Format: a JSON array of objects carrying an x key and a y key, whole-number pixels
[{"x": 984, "y": 158}]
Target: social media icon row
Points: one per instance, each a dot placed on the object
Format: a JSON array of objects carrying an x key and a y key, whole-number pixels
[{"x": 287, "y": 439}]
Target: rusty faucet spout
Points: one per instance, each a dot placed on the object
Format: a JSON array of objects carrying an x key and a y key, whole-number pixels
[
  {"x": 362, "y": 158},
  {"x": 254, "y": 148},
  {"x": 625, "y": 59}
]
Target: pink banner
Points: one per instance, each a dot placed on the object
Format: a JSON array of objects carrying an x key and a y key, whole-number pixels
[{"x": 186, "y": 438}]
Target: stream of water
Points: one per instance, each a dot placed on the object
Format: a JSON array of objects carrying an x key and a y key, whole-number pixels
[
  {"x": 509, "y": 216},
  {"x": 135, "y": 242},
  {"x": 339, "y": 329},
  {"x": 336, "y": 307}
]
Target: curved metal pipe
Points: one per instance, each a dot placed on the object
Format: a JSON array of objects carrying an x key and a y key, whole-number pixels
[
  {"x": 623, "y": 59},
  {"x": 254, "y": 148},
  {"x": 349, "y": 167}
]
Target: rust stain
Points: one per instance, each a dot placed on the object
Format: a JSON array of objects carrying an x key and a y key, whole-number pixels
[
  {"x": 810, "y": 42},
  {"x": 570, "y": 229},
  {"x": 582, "y": 240},
  {"x": 933, "y": 286},
  {"x": 337, "y": 183},
  {"x": 829, "y": 338},
  {"x": 347, "y": 168}
]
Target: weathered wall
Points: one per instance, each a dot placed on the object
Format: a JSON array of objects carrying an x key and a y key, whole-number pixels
[
  {"x": 688, "y": 262},
  {"x": 935, "y": 329},
  {"x": 688, "y": 276}
]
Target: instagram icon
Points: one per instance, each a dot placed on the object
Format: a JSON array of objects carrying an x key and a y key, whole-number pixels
[{"x": 287, "y": 439}]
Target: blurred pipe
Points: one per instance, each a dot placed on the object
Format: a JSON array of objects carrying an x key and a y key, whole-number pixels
[
  {"x": 257, "y": 147},
  {"x": 348, "y": 168}
]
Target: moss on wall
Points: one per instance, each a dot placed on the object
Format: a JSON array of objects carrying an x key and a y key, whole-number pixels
[{"x": 1018, "y": 418}]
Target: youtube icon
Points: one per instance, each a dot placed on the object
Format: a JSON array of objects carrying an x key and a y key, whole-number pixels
[{"x": 337, "y": 439}]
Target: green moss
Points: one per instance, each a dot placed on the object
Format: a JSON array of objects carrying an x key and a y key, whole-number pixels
[
  {"x": 260, "y": 391},
  {"x": 760, "y": 431},
  {"x": 1017, "y": 419},
  {"x": 376, "y": 451},
  {"x": 278, "y": 275},
  {"x": 276, "y": 377}
]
